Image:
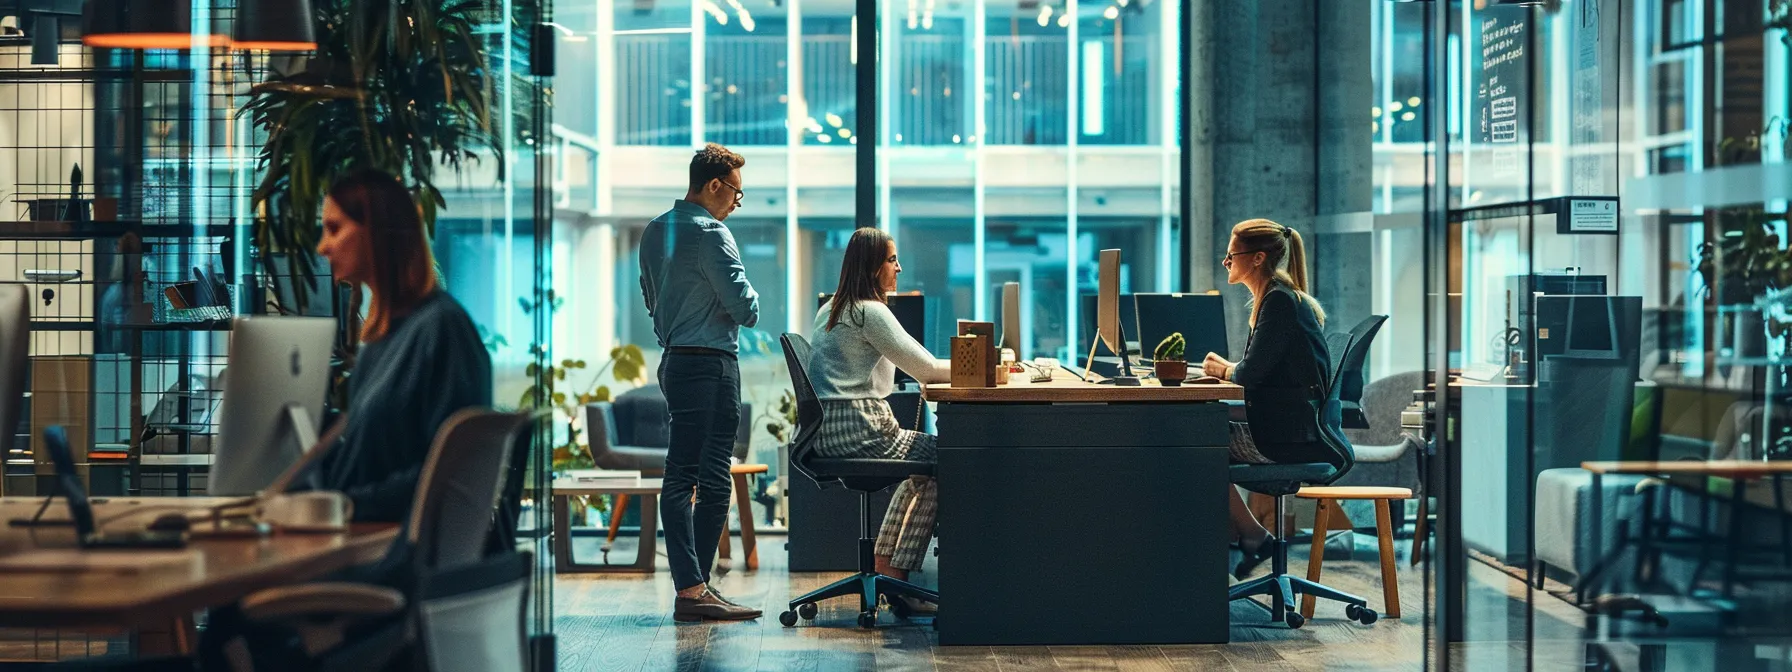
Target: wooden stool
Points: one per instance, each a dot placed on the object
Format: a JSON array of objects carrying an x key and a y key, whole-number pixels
[
  {"x": 1328, "y": 498},
  {"x": 744, "y": 502}
]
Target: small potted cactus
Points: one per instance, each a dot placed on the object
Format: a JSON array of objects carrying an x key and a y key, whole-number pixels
[{"x": 1170, "y": 365}]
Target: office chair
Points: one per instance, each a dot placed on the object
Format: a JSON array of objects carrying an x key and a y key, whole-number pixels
[
  {"x": 1350, "y": 376},
  {"x": 465, "y": 607},
  {"x": 861, "y": 475},
  {"x": 1279, "y": 481}
]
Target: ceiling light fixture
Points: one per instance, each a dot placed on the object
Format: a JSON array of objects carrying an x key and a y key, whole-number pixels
[
  {"x": 143, "y": 24},
  {"x": 275, "y": 25}
]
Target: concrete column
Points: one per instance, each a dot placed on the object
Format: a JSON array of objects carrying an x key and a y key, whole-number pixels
[
  {"x": 1342, "y": 247},
  {"x": 1252, "y": 128}
]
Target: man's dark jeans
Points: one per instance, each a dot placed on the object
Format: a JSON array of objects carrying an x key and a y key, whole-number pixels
[{"x": 703, "y": 401}]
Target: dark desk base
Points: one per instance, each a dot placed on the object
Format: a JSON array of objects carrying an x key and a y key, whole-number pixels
[{"x": 1083, "y": 524}]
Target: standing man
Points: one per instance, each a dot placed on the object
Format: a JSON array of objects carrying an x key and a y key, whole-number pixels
[{"x": 699, "y": 297}]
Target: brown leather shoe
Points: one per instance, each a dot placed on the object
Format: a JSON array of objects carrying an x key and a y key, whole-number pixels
[{"x": 711, "y": 607}]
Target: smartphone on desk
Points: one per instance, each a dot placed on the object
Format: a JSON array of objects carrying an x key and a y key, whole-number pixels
[{"x": 135, "y": 539}]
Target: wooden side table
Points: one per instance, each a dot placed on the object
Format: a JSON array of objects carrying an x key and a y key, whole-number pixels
[{"x": 565, "y": 489}]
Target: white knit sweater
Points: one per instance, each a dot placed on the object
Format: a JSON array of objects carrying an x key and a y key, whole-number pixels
[{"x": 858, "y": 358}]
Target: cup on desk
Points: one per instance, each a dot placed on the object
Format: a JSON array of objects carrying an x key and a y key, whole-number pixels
[{"x": 308, "y": 511}]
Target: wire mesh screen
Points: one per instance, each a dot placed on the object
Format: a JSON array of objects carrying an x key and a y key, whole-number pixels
[{"x": 124, "y": 186}]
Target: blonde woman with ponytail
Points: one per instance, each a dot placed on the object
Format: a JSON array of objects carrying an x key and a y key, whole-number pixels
[{"x": 1285, "y": 366}]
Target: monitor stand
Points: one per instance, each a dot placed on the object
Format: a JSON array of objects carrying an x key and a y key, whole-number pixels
[
  {"x": 304, "y": 433},
  {"x": 1125, "y": 379}
]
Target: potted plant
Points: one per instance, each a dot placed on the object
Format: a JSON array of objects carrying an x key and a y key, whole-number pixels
[
  {"x": 1168, "y": 361},
  {"x": 1739, "y": 269}
]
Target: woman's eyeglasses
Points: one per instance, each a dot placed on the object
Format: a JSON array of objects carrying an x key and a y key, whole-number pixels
[{"x": 1227, "y": 260}]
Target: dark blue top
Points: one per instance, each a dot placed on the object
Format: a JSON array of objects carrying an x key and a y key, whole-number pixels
[{"x": 431, "y": 364}]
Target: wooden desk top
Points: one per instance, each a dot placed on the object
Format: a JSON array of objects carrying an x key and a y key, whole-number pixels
[
  {"x": 1725, "y": 468},
  {"x": 46, "y": 581},
  {"x": 1065, "y": 387}
]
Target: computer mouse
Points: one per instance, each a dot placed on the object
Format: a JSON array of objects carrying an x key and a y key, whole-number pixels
[
  {"x": 171, "y": 522},
  {"x": 1203, "y": 380}
]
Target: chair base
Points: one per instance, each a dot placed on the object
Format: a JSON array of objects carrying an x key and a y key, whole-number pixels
[
  {"x": 868, "y": 586},
  {"x": 1282, "y": 589}
]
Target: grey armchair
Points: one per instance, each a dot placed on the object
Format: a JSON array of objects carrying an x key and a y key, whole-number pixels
[{"x": 1386, "y": 455}]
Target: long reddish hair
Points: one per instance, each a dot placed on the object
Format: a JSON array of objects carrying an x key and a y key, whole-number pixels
[{"x": 404, "y": 268}]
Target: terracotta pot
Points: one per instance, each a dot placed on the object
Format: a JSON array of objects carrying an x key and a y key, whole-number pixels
[{"x": 1171, "y": 374}]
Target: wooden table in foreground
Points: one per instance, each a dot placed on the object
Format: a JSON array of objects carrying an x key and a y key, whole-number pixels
[
  {"x": 1135, "y": 479},
  {"x": 47, "y": 581}
]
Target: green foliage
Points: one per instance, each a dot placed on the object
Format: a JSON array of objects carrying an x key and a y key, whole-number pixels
[
  {"x": 783, "y": 420},
  {"x": 554, "y": 389},
  {"x": 1748, "y": 260},
  {"x": 395, "y": 85},
  {"x": 1171, "y": 349}
]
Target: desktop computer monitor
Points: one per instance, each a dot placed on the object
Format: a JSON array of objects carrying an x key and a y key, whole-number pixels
[
  {"x": 1200, "y": 318},
  {"x": 1086, "y": 313},
  {"x": 1011, "y": 329},
  {"x": 1588, "y": 327},
  {"x": 1109, "y": 330},
  {"x": 15, "y": 351},
  {"x": 274, "y": 387}
]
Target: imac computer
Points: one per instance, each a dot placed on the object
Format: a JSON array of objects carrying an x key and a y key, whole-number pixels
[
  {"x": 274, "y": 387},
  {"x": 1011, "y": 329},
  {"x": 15, "y": 350},
  {"x": 1108, "y": 329},
  {"x": 1200, "y": 318}
]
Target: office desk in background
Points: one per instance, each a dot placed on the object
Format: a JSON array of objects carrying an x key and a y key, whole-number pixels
[
  {"x": 1076, "y": 513},
  {"x": 46, "y": 581}
]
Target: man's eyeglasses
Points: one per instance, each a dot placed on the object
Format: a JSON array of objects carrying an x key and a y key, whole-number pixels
[{"x": 738, "y": 194}]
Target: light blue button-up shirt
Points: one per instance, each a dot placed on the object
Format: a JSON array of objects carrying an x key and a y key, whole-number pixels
[{"x": 693, "y": 282}]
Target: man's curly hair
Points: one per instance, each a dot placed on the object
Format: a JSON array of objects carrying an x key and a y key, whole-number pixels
[{"x": 713, "y": 162}]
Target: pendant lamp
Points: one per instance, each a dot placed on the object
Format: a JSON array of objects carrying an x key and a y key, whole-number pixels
[
  {"x": 275, "y": 25},
  {"x": 143, "y": 24}
]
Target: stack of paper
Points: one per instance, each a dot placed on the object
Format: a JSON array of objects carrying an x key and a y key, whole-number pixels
[{"x": 604, "y": 478}]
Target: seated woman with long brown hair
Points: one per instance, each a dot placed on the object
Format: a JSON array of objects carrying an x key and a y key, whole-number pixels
[
  {"x": 858, "y": 346},
  {"x": 421, "y": 358}
]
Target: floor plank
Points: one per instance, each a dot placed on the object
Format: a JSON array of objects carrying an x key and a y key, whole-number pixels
[{"x": 622, "y": 623}]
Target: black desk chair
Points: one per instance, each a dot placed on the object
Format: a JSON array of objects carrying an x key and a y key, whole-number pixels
[
  {"x": 1279, "y": 481},
  {"x": 1350, "y": 377},
  {"x": 862, "y": 475}
]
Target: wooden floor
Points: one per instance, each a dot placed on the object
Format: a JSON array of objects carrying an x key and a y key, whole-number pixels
[{"x": 624, "y": 623}]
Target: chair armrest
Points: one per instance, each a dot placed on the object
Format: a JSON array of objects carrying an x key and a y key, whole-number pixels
[{"x": 322, "y": 600}]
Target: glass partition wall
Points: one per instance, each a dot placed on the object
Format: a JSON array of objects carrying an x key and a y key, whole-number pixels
[{"x": 1605, "y": 290}]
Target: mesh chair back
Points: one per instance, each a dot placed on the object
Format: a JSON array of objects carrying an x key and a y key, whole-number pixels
[
  {"x": 510, "y": 502},
  {"x": 452, "y": 514},
  {"x": 808, "y": 406},
  {"x": 473, "y": 618},
  {"x": 1330, "y": 420},
  {"x": 1356, "y": 352}
]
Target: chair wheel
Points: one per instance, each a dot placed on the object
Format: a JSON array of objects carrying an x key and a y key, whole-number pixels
[
  {"x": 868, "y": 619},
  {"x": 788, "y": 618},
  {"x": 1360, "y": 614},
  {"x": 1294, "y": 619},
  {"x": 808, "y": 611}
]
